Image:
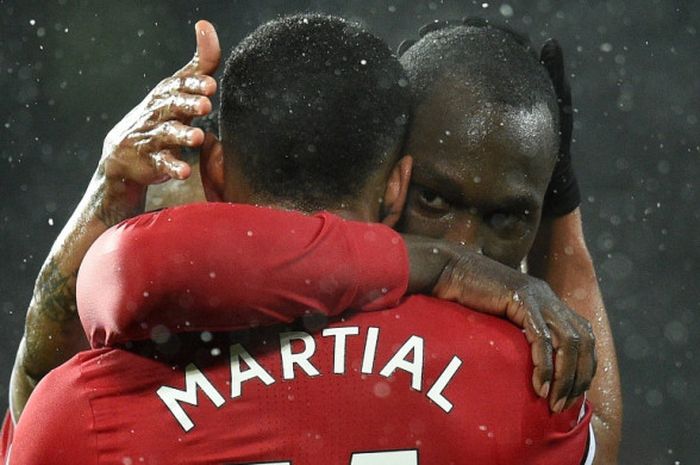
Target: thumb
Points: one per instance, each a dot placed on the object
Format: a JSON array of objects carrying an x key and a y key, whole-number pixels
[{"x": 206, "y": 58}]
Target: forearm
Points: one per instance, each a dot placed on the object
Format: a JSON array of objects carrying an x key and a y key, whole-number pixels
[
  {"x": 52, "y": 332},
  {"x": 560, "y": 257},
  {"x": 452, "y": 272}
]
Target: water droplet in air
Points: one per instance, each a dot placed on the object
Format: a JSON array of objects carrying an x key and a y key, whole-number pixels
[{"x": 506, "y": 10}]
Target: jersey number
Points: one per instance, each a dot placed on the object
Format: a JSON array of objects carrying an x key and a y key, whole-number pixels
[{"x": 389, "y": 457}]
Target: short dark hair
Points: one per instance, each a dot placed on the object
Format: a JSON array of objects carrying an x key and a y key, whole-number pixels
[
  {"x": 313, "y": 105},
  {"x": 497, "y": 60}
]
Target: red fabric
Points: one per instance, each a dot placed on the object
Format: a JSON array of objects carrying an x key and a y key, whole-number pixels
[
  {"x": 103, "y": 407},
  {"x": 6, "y": 432},
  {"x": 219, "y": 267}
]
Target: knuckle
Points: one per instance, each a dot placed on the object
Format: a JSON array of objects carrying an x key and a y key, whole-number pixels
[
  {"x": 545, "y": 338},
  {"x": 573, "y": 340},
  {"x": 166, "y": 128}
]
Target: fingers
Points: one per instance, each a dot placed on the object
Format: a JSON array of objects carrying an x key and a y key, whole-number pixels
[
  {"x": 160, "y": 147},
  {"x": 166, "y": 162},
  {"x": 566, "y": 343},
  {"x": 575, "y": 363},
  {"x": 180, "y": 106},
  {"x": 196, "y": 85},
  {"x": 175, "y": 134},
  {"x": 551, "y": 326},
  {"x": 540, "y": 340},
  {"x": 206, "y": 58},
  {"x": 552, "y": 57},
  {"x": 587, "y": 363}
]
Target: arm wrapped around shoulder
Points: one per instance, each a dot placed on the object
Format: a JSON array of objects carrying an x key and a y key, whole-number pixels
[{"x": 221, "y": 267}]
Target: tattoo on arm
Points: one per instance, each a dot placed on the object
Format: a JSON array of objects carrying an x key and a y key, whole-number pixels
[
  {"x": 108, "y": 215},
  {"x": 56, "y": 296}
]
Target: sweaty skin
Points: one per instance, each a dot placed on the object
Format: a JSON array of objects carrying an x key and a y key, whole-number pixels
[
  {"x": 481, "y": 171},
  {"x": 560, "y": 257}
]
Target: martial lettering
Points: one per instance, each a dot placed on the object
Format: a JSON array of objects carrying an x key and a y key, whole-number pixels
[
  {"x": 414, "y": 367},
  {"x": 194, "y": 379}
]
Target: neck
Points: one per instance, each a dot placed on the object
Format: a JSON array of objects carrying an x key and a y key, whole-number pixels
[
  {"x": 343, "y": 211},
  {"x": 358, "y": 210}
]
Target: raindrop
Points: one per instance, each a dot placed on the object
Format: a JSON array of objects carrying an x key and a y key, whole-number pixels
[
  {"x": 160, "y": 334},
  {"x": 676, "y": 332},
  {"x": 506, "y": 10},
  {"x": 654, "y": 397},
  {"x": 381, "y": 389}
]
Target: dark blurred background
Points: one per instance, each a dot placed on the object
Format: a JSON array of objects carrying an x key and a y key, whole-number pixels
[{"x": 69, "y": 70}]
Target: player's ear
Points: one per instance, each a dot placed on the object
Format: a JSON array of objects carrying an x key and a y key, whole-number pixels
[
  {"x": 396, "y": 191},
  {"x": 211, "y": 159}
]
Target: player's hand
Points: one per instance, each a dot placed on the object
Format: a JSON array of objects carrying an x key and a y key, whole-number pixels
[
  {"x": 563, "y": 344},
  {"x": 563, "y": 194},
  {"x": 143, "y": 148},
  {"x": 548, "y": 321}
]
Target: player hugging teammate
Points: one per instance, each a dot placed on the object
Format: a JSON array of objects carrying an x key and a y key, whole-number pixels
[{"x": 239, "y": 332}]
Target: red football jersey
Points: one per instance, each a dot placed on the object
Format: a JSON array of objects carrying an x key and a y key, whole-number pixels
[
  {"x": 6, "y": 432},
  {"x": 221, "y": 266},
  {"x": 427, "y": 382}
]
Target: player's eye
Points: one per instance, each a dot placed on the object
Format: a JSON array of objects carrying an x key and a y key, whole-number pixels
[{"x": 431, "y": 200}]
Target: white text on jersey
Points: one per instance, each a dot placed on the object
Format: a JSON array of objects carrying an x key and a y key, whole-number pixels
[{"x": 408, "y": 357}]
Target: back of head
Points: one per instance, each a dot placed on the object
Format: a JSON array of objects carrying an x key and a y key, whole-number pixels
[
  {"x": 496, "y": 64},
  {"x": 311, "y": 107}
]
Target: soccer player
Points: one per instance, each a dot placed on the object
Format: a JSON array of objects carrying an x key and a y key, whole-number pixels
[
  {"x": 95, "y": 420},
  {"x": 501, "y": 62},
  {"x": 467, "y": 72},
  {"x": 53, "y": 333},
  {"x": 484, "y": 116}
]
